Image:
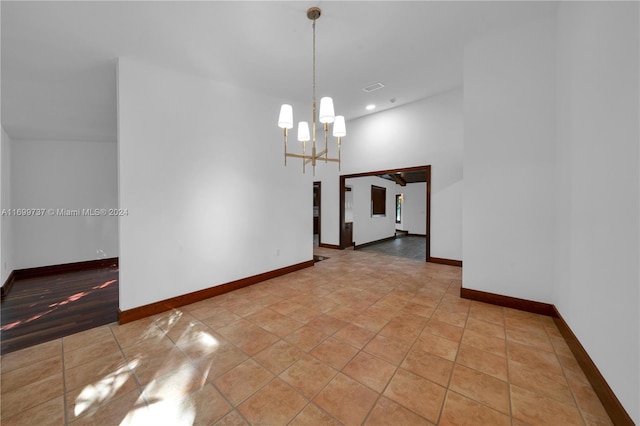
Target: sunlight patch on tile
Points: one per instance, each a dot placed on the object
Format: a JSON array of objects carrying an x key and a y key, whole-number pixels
[
  {"x": 103, "y": 390},
  {"x": 175, "y": 385}
]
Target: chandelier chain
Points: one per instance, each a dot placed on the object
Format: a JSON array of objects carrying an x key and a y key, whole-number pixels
[{"x": 314, "y": 61}]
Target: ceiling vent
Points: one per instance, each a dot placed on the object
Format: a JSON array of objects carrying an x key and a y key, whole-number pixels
[{"x": 373, "y": 87}]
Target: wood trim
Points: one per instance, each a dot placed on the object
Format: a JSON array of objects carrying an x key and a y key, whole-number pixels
[
  {"x": 442, "y": 261},
  {"x": 413, "y": 235},
  {"x": 370, "y": 243},
  {"x": 610, "y": 402},
  {"x": 196, "y": 296},
  {"x": 509, "y": 302},
  {"x": 318, "y": 185},
  {"x": 330, "y": 246},
  {"x": 388, "y": 172},
  {"x": 343, "y": 178},
  {"x": 7, "y": 285},
  {"x": 341, "y": 226},
  {"x": 43, "y": 271},
  {"x": 428, "y": 230}
]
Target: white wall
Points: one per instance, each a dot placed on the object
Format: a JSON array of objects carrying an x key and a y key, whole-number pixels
[
  {"x": 63, "y": 175},
  {"x": 427, "y": 132},
  {"x": 551, "y": 192},
  {"x": 597, "y": 273},
  {"x": 509, "y": 161},
  {"x": 202, "y": 176},
  {"x": 6, "y": 231},
  {"x": 414, "y": 208},
  {"x": 365, "y": 227}
]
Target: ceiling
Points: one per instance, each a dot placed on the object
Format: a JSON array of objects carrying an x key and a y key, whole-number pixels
[{"x": 58, "y": 65}]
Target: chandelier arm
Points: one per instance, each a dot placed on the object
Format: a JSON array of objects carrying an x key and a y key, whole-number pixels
[
  {"x": 292, "y": 155},
  {"x": 321, "y": 156},
  {"x": 285, "y": 146}
]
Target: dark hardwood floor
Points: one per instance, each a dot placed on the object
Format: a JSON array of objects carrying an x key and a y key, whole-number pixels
[
  {"x": 409, "y": 246},
  {"x": 40, "y": 309}
]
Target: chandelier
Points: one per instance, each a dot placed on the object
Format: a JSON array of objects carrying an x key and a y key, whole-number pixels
[{"x": 326, "y": 116}]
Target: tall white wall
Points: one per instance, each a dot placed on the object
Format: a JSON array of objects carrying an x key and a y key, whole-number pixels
[
  {"x": 427, "y": 132},
  {"x": 6, "y": 231},
  {"x": 509, "y": 161},
  {"x": 200, "y": 170},
  {"x": 63, "y": 175},
  {"x": 597, "y": 270},
  {"x": 551, "y": 197},
  {"x": 365, "y": 227},
  {"x": 414, "y": 208}
]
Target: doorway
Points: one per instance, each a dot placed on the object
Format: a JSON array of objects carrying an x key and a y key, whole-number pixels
[
  {"x": 392, "y": 173},
  {"x": 317, "y": 221}
]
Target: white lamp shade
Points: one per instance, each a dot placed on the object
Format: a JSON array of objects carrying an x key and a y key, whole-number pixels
[
  {"x": 339, "y": 127},
  {"x": 303, "y": 131},
  {"x": 327, "y": 114},
  {"x": 285, "y": 121}
]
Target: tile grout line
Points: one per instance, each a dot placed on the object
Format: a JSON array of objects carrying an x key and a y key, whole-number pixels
[
  {"x": 251, "y": 357},
  {"x": 338, "y": 371},
  {"x": 309, "y": 400},
  {"x": 40, "y": 379},
  {"x": 128, "y": 364},
  {"x": 234, "y": 407},
  {"x": 564, "y": 374},
  {"x": 277, "y": 376},
  {"x": 453, "y": 367},
  {"x": 507, "y": 382},
  {"x": 192, "y": 364},
  {"x": 381, "y": 394},
  {"x": 361, "y": 350}
]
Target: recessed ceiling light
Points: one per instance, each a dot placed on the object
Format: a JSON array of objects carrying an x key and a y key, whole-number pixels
[{"x": 370, "y": 107}]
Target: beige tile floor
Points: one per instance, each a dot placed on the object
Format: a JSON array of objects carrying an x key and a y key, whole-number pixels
[{"x": 360, "y": 338}]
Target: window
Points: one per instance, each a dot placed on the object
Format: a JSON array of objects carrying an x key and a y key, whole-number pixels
[
  {"x": 398, "y": 208},
  {"x": 378, "y": 201}
]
